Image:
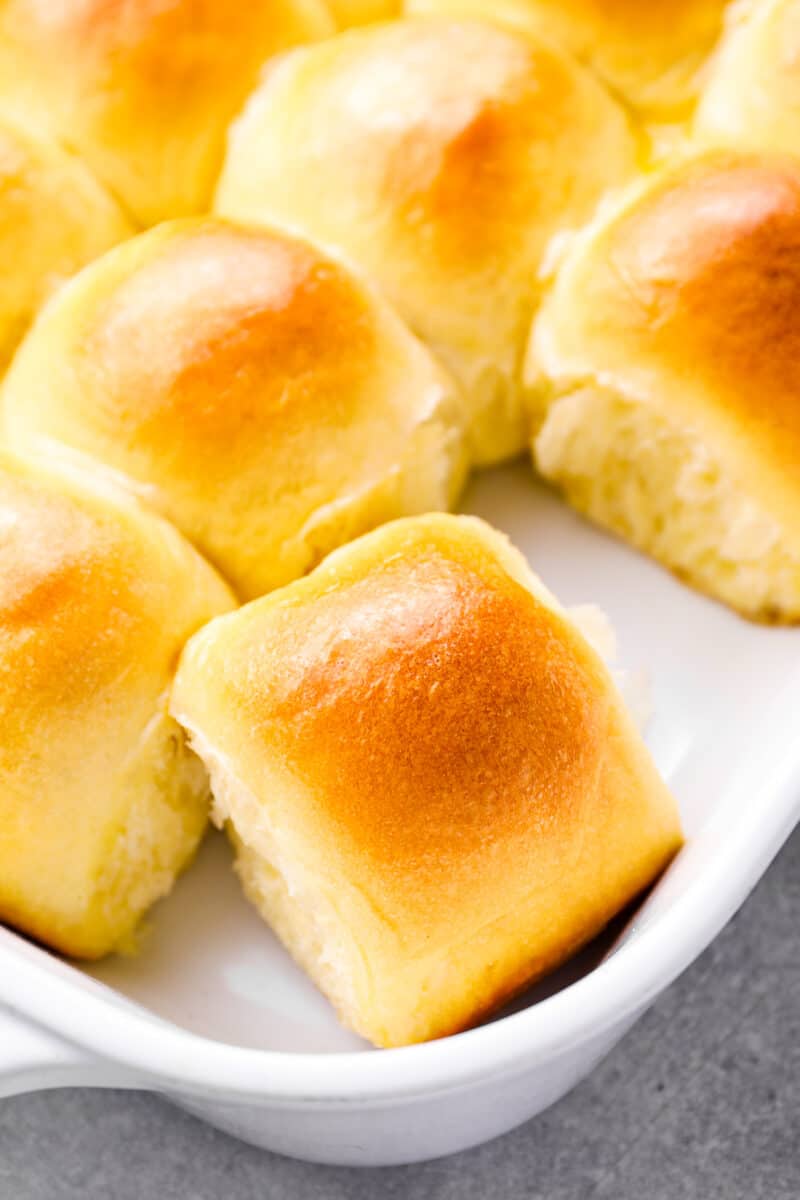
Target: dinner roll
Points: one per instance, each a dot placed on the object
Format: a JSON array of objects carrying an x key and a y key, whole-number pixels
[
  {"x": 436, "y": 791},
  {"x": 246, "y": 385},
  {"x": 666, "y": 374},
  {"x": 753, "y": 97},
  {"x": 54, "y": 217},
  {"x": 442, "y": 157},
  {"x": 650, "y": 51},
  {"x": 101, "y": 803},
  {"x": 362, "y": 12},
  {"x": 143, "y": 91}
]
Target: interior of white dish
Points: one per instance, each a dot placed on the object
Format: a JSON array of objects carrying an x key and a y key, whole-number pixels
[{"x": 208, "y": 963}]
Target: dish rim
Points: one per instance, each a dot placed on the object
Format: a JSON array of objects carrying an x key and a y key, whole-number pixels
[{"x": 618, "y": 989}]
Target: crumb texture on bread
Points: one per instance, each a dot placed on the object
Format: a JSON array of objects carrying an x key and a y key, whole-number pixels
[
  {"x": 665, "y": 377},
  {"x": 248, "y": 386},
  {"x": 435, "y": 787},
  {"x": 442, "y": 157},
  {"x": 101, "y": 802},
  {"x": 659, "y": 486}
]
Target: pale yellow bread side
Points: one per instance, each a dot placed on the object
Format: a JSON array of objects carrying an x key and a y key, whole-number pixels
[
  {"x": 249, "y": 387},
  {"x": 101, "y": 802},
  {"x": 665, "y": 377},
  {"x": 143, "y": 91},
  {"x": 442, "y": 157},
  {"x": 651, "y": 52},
  {"x": 434, "y": 785},
  {"x": 752, "y": 99},
  {"x": 54, "y": 218}
]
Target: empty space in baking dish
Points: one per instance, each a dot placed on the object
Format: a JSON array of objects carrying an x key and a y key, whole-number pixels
[{"x": 721, "y": 694}]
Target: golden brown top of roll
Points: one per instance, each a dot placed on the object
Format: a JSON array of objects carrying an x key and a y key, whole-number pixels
[
  {"x": 752, "y": 99},
  {"x": 418, "y": 656},
  {"x": 689, "y": 299},
  {"x": 54, "y": 217},
  {"x": 144, "y": 90},
  {"x": 442, "y": 157},
  {"x": 99, "y": 803},
  {"x": 437, "y": 764},
  {"x": 650, "y": 51},
  {"x": 83, "y": 567},
  {"x": 247, "y": 385}
]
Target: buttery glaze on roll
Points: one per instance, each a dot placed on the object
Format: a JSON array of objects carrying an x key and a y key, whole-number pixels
[
  {"x": 54, "y": 218},
  {"x": 752, "y": 100},
  {"x": 652, "y": 52},
  {"x": 143, "y": 91},
  {"x": 665, "y": 370},
  {"x": 435, "y": 789},
  {"x": 363, "y": 12},
  {"x": 249, "y": 387},
  {"x": 101, "y": 803},
  {"x": 442, "y": 157}
]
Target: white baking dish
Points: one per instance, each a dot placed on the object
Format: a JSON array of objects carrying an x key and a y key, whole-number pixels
[{"x": 214, "y": 1014}]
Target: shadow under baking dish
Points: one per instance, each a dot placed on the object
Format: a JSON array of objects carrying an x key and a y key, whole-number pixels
[{"x": 209, "y": 964}]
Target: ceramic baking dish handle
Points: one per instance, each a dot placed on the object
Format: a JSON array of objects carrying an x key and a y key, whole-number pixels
[{"x": 32, "y": 1059}]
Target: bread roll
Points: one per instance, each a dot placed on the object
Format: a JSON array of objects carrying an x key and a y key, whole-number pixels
[
  {"x": 650, "y": 51},
  {"x": 435, "y": 788},
  {"x": 363, "y": 12},
  {"x": 101, "y": 803},
  {"x": 54, "y": 217},
  {"x": 247, "y": 386},
  {"x": 667, "y": 369},
  {"x": 442, "y": 157},
  {"x": 753, "y": 96},
  {"x": 144, "y": 90}
]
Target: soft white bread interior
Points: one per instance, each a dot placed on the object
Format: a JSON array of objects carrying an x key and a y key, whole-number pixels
[
  {"x": 143, "y": 91},
  {"x": 248, "y": 386},
  {"x": 752, "y": 99},
  {"x": 651, "y": 52},
  {"x": 442, "y": 157},
  {"x": 665, "y": 377},
  {"x": 54, "y": 218},
  {"x": 435, "y": 788},
  {"x": 101, "y": 802}
]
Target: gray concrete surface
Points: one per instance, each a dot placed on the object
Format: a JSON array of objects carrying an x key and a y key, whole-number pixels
[{"x": 701, "y": 1102}]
